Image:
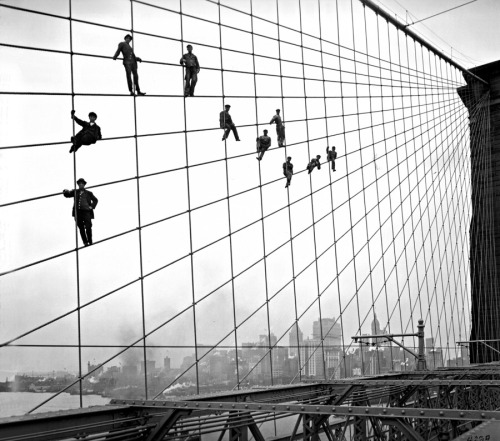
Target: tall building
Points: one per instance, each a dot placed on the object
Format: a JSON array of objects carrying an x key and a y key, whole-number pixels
[
  {"x": 376, "y": 330},
  {"x": 320, "y": 355},
  {"x": 166, "y": 363},
  {"x": 295, "y": 337}
]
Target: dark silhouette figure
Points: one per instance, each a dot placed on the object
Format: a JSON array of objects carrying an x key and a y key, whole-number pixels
[
  {"x": 331, "y": 155},
  {"x": 90, "y": 133},
  {"x": 190, "y": 61},
  {"x": 263, "y": 143},
  {"x": 83, "y": 209},
  {"x": 226, "y": 123},
  {"x": 130, "y": 64},
  {"x": 280, "y": 128},
  {"x": 288, "y": 171},
  {"x": 314, "y": 162}
]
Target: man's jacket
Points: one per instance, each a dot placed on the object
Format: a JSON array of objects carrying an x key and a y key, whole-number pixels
[
  {"x": 127, "y": 51},
  {"x": 89, "y": 197},
  {"x": 225, "y": 118},
  {"x": 94, "y": 130},
  {"x": 263, "y": 142},
  {"x": 190, "y": 60}
]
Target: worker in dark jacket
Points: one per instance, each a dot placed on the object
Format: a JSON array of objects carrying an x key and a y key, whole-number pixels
[
  {"x": 130, "y": 64},
  {"x": 288, "y": 171},
  {"x": 280, "y": 128},
  {"x": 263, "y": 143},
  {"x": 190, "y": 61},
  {"x": 314, "y": 162},
  {"x": 331, "y": 155},
  {"x": 226, "y": 123},
  {"x": 90, "y": 133},
  {"x": 83, "y": 209}
]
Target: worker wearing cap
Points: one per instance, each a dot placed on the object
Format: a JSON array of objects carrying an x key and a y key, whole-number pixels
[
  {"x": 83, "y": 209},
  {"x": 90, "y": 133},
  {"x": 190, "y": 61},
  {"x": 288, "y": 171},
  {"x": 227, "y": 124},
  {"x": 130, "y": 64},
  {"x": 331, "y": 155},
  {"x": 263, "y": 143},
  {"x": 280, "y": 128},
  {"x": 314, "y": 162}
]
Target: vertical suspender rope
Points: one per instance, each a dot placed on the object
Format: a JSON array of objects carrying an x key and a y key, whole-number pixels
[
  {"x": 312, "y": 203},
  {"x": 229, "y": 209},
  {"x": 440, "y": 254},
  {"x": 376, "y": 180},
  {"x": 75, "y": 212},
  {"x": 347, "y": 171},
  {"x": 191, "y": 258},
  {"x": 269, "y": 348},
  {"x": 297, "y": 328},
  {"x": 370, "y": 268},
  {"x": 144, "y": 353},
  {"x": 447, "y": 246},
  {"x": 428, "y": 316},
  {"x": 334, "y": 372}
]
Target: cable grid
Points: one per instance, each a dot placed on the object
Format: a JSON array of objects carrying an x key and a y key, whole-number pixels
[{"x": 230, "y": 279}]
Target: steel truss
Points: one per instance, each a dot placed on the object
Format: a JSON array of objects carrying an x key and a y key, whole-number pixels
[{"x": 442, "y": 404}]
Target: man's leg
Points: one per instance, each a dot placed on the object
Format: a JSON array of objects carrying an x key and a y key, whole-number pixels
[
  {"x": 80, "y": 222},
  {"x": 81, "y": 139},
  {"x": 226, "y": 132},
  {"x": 235, "y": 132},
  {"x": 187, "y": 78},
  {"x": 136, "y": 77},
  {"x": 194, "y": 80},
  {"x": 88, "y": 228},
  {"x": 333, "y": 165},
  {"x": 128, "y": 74}
]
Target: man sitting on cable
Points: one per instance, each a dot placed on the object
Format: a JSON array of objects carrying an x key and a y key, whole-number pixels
[
  {"x": 314, "y": 162},
  {"x": 90, "y": 133},
  {"x": 263, "y": 143}
]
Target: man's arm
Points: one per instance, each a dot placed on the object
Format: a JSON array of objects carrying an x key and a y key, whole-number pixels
[
  {"x": 118, "y": 51},
  {"x": 197, "y": 64},
  {"x": 182, "y": 61},
  {"x": 273, "y": 120},
  {"x": 78, "y": 120},
  {"x": 68, "y": 193},
  {"x": 93, "y": 200},
  {"x": 222, "y": 120},
  {"x": 99, "y": 136}
]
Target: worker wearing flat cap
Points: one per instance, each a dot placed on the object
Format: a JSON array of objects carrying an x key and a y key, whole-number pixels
[
  {"x": 90, "y": 134},
  {"x": 130, "y": 64},
  {"x": 83, "y": 209},
  {"x": 314, "y": 163},
  {"x": 227, "y": 124}
]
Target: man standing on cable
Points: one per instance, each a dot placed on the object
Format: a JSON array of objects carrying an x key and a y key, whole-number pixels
[
  {"x": 288, "y": 171},
  {"x": 130, "y": 64},
  {"x": 83, "y": 209},
  {"x": 90, "y": 133},
  {"x": 331, "y": 155},
  {"x": 280, "y": 128},
  {"x": 226, "y": 123},
  {"x": 190, "y": 61},
  {"x": 263, "y": 143},
  {"x": 314, "y": 162}
]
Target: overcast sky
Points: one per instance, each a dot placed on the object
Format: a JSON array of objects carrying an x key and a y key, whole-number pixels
[{"x": 227, "y": 277}]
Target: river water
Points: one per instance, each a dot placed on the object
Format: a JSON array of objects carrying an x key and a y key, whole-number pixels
[{"x": 18, "y": 403}]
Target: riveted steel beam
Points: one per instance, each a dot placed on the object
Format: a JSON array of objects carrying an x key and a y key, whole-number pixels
[{"x": 392, "y": 412}]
